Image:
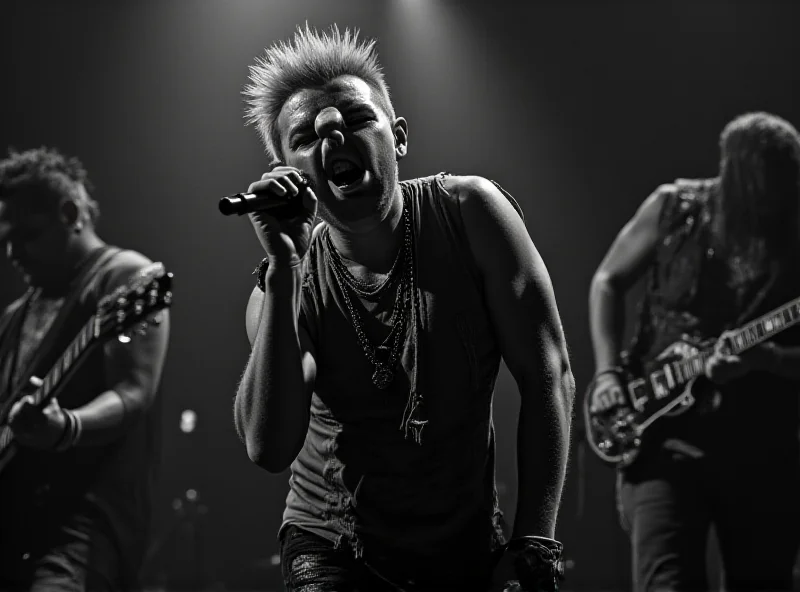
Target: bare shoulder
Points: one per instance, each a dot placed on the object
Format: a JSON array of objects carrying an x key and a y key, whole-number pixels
[
  {"x": 482, "y": 202},
  {"x": 469, "y": 187},
  {"x": 120, "y": 269},
  {"x": 132, "y": 259},
  {"x": 657, "y": 198}
]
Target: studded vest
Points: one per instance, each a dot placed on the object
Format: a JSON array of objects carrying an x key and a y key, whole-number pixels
[{"x": 693, "y": 291}]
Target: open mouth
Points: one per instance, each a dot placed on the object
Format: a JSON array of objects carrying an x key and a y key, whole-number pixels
[{"x": 345, "y": 173}]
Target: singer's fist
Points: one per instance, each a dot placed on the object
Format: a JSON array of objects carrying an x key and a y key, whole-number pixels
[{"x": 285, "y": 238}]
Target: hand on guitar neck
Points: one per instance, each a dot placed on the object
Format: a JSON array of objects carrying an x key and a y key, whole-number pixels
[
  {"x": 36, "y": 427},
  {"x": 723, "y": 366}
]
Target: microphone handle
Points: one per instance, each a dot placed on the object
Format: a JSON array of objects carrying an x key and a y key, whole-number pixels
[{"x": 244, "y": 203}]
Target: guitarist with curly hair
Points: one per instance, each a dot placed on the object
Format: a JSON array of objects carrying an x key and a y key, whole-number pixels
[{"x": 75, "y": 496}]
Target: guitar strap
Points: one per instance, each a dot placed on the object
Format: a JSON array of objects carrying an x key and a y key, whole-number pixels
[{"x": 44, "y": 356}]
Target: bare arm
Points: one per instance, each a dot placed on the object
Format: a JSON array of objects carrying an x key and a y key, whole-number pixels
[
  {"x": 525, "y": 317},
  {"x": 623, "y": 264},
  {"x": 133, "y": 373},
  {"x": 272, "y": 405}
]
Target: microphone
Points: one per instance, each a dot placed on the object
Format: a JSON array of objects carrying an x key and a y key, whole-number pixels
[{"x": 268, "y": 201}]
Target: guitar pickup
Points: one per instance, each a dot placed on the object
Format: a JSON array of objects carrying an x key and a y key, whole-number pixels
[
  {"x": 638, "y": 394},
  {"x": 660, "y": 384}
]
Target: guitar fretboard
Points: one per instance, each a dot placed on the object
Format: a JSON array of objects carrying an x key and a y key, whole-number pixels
[
  {"x": 63, "y": 365},
  {"x": 766, "y": 326},
  {"x": 751, "y": 334},
  {"x": 76, "y": 348}
]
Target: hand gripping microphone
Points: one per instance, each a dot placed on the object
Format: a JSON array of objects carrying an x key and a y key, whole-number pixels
[{"x": 278, "y": 205}]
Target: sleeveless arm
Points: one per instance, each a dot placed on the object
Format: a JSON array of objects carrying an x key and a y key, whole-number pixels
[
  {"x": 272, "y": 405},
  {"x": 625, "y": 262},
  {"x": 133, "y": 370},
  {"x": 522, "y": 306}
]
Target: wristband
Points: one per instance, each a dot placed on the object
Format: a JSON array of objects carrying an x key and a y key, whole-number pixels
[
  {"x": 260, "y": 272},
  {"x": 537, "y": 562},
  {"x": 72, "y": 432},
  {"x": 65, "y": 441},
  {"x": 76, "y": 436},
  {"x": 612, "y": 370}
]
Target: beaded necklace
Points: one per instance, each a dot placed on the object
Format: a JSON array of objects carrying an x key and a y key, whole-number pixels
[{"x": 384, "y": 357}]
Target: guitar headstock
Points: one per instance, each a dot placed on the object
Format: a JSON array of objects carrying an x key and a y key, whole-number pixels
[{"x": 135, "y": 306}]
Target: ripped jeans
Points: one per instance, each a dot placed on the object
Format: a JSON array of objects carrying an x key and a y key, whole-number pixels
[{"x": 311, "y": 563}]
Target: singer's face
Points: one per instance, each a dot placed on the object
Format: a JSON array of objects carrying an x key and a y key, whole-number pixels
[
  {"x": 341, "y": 136},
  {"x": 34, "y": 239}
]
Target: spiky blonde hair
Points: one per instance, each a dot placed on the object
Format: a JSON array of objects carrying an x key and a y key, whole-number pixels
[{"x": 311, "y": 60}]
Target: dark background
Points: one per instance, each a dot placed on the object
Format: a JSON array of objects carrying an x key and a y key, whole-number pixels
[{"x": 579, "y": 109}]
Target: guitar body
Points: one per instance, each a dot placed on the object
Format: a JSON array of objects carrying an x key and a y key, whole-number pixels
[
  {"x": 670, "y": 385},
  {"x": 663, "y": 389},
  {"x": 130, "y": 309}
]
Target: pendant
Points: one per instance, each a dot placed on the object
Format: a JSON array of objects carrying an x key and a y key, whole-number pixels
[{"x": 382, "y": 377}]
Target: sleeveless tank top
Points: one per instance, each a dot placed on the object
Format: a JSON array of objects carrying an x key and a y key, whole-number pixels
[{"x": 358, "y": 481}]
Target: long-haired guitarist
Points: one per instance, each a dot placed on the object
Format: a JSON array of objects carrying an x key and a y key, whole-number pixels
[
  {"x": 74, "y": 499},
  {"x": 716, "y": 253}
]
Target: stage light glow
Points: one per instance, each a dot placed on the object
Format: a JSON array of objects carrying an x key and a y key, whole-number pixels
[{"x": 188, "y": 421}]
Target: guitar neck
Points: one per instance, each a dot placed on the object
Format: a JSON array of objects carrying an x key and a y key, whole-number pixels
[
  {"x": 751, "y": 334},
  {"x": 67, "y": 361},
  {"x": 766, "y": 326}
]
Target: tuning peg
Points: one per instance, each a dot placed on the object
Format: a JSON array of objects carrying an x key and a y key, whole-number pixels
[
  {"x": 124, "y": 338},
  {"x": 35, "y": 381}
]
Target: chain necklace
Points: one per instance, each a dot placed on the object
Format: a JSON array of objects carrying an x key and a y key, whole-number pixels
[{"x": 383, "y": 358}]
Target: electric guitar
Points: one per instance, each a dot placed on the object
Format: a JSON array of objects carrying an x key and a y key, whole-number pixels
[
  {"x": 129, "y": 310},
  {"x": 664, "y": 389}
]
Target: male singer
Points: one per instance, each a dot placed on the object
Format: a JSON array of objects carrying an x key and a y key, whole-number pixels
[{"x": 376, "y": 342}]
